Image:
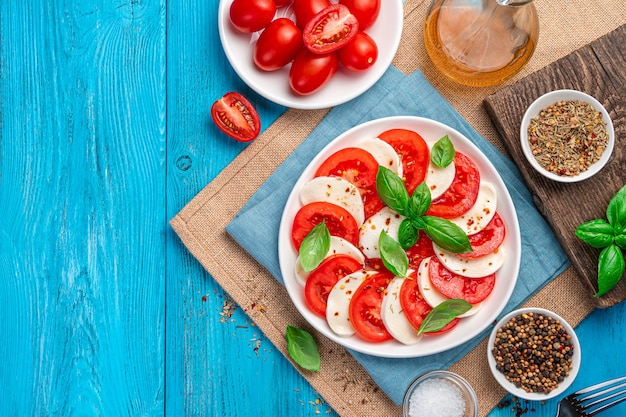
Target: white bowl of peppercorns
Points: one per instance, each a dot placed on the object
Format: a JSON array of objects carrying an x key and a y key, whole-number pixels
[{"x": 534, "y": 354}]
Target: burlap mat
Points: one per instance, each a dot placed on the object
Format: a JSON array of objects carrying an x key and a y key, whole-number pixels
[{"x": 344, "y": 384}]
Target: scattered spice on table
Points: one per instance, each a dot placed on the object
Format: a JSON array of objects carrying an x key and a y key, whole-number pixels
[
  {"x": 567, "y": 137},
  {"x": 534, "y": 352}
]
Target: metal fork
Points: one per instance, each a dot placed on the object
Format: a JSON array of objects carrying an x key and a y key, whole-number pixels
[{"x": 590, "y": 401}]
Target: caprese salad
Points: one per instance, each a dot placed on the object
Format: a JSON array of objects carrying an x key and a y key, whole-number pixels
[{"x": 427, "y": 198}]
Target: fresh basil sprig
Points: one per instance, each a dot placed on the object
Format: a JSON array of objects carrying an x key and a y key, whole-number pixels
[
  {"x": 610, "y": 236},
  {"x": 314, "y": 247},
  {"x": 443, "y": 314},
  {"x": 302, "y": 348},
  {"x": 393, "y": 256},
  {"x": 442, "y": 153}
]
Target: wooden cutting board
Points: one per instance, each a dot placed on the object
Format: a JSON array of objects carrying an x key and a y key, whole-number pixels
[{"x": 598, "y": 69}]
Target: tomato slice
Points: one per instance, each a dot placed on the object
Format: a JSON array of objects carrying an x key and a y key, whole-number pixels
[
  {"x": 487, "y": 240},
  {"x": 358, "y": 167},
  {"x": 413, "y": 152},
  {"x": 421, "y": 250},
  {"x": 235, "y": 116},
  {"x": 323, "y": 278},
  {"x": 365, "y": 306},
  {"x": 472, "y": 290},
  {"x": 330, "y": 29},
  {"x": 462, "y": 193},
  {"x": 338, "y": 220}
]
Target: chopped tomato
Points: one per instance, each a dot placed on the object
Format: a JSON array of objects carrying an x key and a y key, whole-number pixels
[
  {"x": 322, "y": 279},
  {"x": 338, "y": 220},
  {"x": 487, "y": 240},
  {"x": 365, "y": 308},
  {"x": 421, "y": 250},
  {"x": 462, "y": 193},
  {"x": 330, "y": 29},
  {"x": 413, "y": 152},
  {"x": 358, "y": 167},
  {"x": 472, "y": 290},
  {"x": 235, "y": 116}
]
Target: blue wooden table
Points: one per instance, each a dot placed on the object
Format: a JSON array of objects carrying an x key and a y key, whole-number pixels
[{"x": 105, "y": 134}]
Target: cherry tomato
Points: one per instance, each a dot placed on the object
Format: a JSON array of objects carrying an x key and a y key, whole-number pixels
[
  {"x": 235, "y": 116},
  {"x": 338, "y": 220},
  {"x": 487, "y": 240},
  {"x": 277, "y": 45},
  {"x": 252, "y": 15},
  {"x": 462, "y": 193},
  {"x": 472, "y": 290},
  {"x": 306, "y": 9},
  {"x": 360, "y": 53},
  {"x": 309, "y": 72},
  {"x": 413, "y": 152},
  {"x": 282, "y": 3},
  {"x": 365, "y": 11},
  {"x": 322, "y": 279},
  {"x": 330, "y": 29},
  {"x": 358, "y": 167},
  {"x": 365, "y": 308}
]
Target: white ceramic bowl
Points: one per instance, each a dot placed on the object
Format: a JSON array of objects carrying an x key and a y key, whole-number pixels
[
  {"x": 552, "y": 98},
  {"x": 344, "y": 86},
  {"x": 519, "y": 392},
  {"x": 465, "y": 389},
  {"x": 469, "y": 327}
]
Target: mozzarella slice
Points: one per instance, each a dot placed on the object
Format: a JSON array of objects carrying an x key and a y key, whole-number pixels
[
  {"x": 481, "y": 213},
  {"x": 369, "y": 233},
  {"x": 472, "y": 267},
  {"x": 337, "y": 191},
  {"x": 338, "y": 303},
  {"x": 384, "y": 154},
  {"x": 393, "y": 316},
  {"x": 338, "y": 246},
  {"x": 431, "y": 294},
  {"x": 439, "y": 179}
]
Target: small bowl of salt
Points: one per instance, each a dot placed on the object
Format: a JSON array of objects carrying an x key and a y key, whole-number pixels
[{"x": 440, "y": 394}]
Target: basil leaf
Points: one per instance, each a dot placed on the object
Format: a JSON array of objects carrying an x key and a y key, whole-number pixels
[
  {"x": 419, "y": 201},
  {"x": 446, "y": 234},
  {"x": 407, "y": 234},
  {"x": 418, "y": 223},
  {"x": 443, "y": 314},
  {"x": 616, "y": 210},
  {"x": 392, "y": 190},
  {"x": 610, "y": 269},
  {"x": 393, "y": 256},
  {"x": 442, "y": 152},
  {"x": 620, "y": 240},
  {"x": 302, "y": 348},
  {"x": 597, "y": 233},
  {"x": 314, "y": 247}
]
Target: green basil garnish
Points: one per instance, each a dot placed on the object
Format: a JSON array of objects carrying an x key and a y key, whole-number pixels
[
  {"x": 393, "y": 256},
  {"x": 392, "y": 190},
  {"x": 407, "y": 234},
  {"x": 302, "y": 348},
  {"x": 442, "y": 153},
  {"x": 616, "y": 210},
  {"x": 419, "y": 201},
  {"x": 610, "y": 268},
  {"x": 446, "y": 234},
  {"x": 597, "y": 233},
  {"x": 314, "y": 247},
  {"x": 443, "y": 314}
]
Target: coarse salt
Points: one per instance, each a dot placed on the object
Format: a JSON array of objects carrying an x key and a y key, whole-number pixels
[{"x": 436, "y": 398}]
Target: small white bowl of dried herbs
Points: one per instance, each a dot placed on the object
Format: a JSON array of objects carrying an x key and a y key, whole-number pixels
[{"x": 567, "y": 135}]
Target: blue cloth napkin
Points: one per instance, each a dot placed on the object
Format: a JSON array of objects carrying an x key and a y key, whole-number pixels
[{"x": 255, "y": 227}]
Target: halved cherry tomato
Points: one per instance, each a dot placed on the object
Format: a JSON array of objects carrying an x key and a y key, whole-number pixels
[
  {"x": 365, "y": 306},
  {"x": 306, "y": 9},
  {"x": 277, "y": 45},
  {"x": 472, "y": 290},
  {"x": 413, "y": 152},
  {"x": 252, "y": 15},
  {"x": 322, "y": 279},
  {"x": 338, "y": 220},
  {"x": 365, "y": 11},
  {"x": 360, "y": 53},
  {"x": 462, "y": 193},
  {"x": 330, "y": 29},
  {"x": 235, "y": 116},
  {"x": 358, "y": 167},
  {"x": 487, "y": 240},
  {"x": 309, "y": 72},
  {"x": 421, "y": 250}
]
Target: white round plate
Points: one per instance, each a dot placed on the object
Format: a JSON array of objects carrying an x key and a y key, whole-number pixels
[
  {"x": 344, "y": 86},
  {"x": 469, "y": 327},
  {"x": 509, "y": 386}
]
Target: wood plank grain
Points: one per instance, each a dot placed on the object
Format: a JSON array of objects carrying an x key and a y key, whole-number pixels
[{"x": 598, "y": 69}]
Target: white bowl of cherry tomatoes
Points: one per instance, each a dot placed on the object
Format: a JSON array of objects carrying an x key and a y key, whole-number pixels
[{"x": 310, "y": 54}]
